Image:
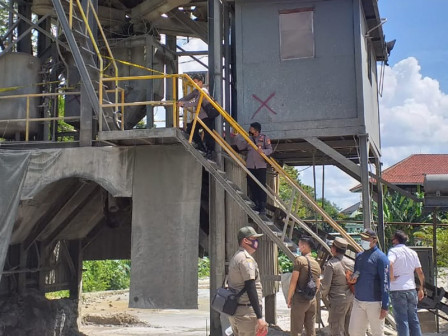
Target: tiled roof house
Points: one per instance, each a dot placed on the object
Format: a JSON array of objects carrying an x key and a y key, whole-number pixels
[{"x": 410, "y": 172}]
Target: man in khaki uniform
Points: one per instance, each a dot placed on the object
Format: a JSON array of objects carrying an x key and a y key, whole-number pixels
[
  {"x": 244, "y": 274},
  {"x": 335, "y": 290},
  {"x": 303, "y": 311}
]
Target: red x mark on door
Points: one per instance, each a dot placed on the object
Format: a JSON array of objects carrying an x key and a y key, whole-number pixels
[{"x": 264, "y": 103}]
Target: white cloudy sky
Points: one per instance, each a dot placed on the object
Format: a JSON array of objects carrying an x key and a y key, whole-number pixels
[{"x": 414, "y": 120}]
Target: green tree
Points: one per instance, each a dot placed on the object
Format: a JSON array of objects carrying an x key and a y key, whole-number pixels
[
  {"x": 401, "y": 209},
  {"x": 301, "y": 207},
  {"x": 100, "y": 275}
]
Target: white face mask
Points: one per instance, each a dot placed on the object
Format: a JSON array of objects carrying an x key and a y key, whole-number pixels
[{"x": 365, "y": 244}]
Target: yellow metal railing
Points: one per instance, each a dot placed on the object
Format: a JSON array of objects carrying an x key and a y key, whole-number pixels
[
  {"x": 294, "y": 185},
  {"x": 85, "y": 17},
  {"x": 27, "y": 118},
  {"x": 196, "y": 122}
]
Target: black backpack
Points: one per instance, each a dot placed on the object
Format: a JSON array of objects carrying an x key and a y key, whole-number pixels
[
  {"x": 308, "y": 292},
  {"x": 211, "y": 111}
]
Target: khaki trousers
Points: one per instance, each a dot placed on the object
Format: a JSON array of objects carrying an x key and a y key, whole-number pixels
[
  {"x": 244, "y": 322},
  {"x": 303, "y": 314},
  {"x": 366, "y": 313},
  {"x": 339, "y": 317}
]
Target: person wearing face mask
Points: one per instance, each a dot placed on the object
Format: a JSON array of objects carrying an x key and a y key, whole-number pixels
[
  {"x": 371, "y": 303},
  {"x": 335, "y": 289},
  {"x": 244, "y": 274},
  {"x": 303, "y": 311},
  {"x": 256, "y": 164}
]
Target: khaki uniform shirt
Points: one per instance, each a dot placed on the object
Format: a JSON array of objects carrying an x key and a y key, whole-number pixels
[
  {"x": 243, "y": 267},
  {"x": 254, "y": 160},
  {"x": 301, "y": 265},
  {"x": 334, "y": 283}
]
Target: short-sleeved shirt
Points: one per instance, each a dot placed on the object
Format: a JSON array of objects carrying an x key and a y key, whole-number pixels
[
  {"x": 405, "y": 261},
  {"x": 301, "y": 265},
  {"x": 334, "y": 282},
  {"x": 243, "y": 267}
]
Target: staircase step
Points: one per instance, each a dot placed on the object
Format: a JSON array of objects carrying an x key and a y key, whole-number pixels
[
  {"x": 245, "y": 203},
  {"x": 289, "y": 244},
  {"x": 221, "y": 172}
]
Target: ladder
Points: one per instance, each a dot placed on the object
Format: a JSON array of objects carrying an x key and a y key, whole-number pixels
[{"x": 87, "y": 56}]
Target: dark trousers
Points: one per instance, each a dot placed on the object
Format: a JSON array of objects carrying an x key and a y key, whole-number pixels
[
  {"x": 257, "y": 195},
  {"x": 209, "y": 143}
]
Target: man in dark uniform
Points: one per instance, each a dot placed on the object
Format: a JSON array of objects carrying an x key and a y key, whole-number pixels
[
  {"x": 336, "y": 291},
  {"x": 244, "y": 274},
  {"x": 256, "y": 164}
]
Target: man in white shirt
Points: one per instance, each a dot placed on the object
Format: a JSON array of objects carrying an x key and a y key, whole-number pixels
[{"x": 404, "y": 296}]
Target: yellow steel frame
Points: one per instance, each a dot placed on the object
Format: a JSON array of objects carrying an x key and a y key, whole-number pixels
[{"x": 27, "y": 118}]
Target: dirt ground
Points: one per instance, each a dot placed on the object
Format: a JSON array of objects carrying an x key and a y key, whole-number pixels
[{"x": 107, "y": 313}]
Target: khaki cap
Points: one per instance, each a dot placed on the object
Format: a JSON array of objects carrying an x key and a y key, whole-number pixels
[{"x": 340, "y": 243}]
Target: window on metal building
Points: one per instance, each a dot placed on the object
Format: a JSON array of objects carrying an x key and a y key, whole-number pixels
[{"x": 296, "y": 33}]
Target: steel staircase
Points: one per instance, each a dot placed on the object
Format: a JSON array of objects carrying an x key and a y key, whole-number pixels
[
  {"x": 282, "y": 240},
  {"x": 87, "y": 57}
]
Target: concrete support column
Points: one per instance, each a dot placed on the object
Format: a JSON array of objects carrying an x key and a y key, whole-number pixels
[
  {"x": 165, "y": 227},
  {"x": 364, "y": 161}
]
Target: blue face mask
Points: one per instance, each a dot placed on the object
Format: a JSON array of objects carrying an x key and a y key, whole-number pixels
[{"x": 253, "y": 243}]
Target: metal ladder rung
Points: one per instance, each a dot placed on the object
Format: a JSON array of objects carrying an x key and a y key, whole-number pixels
[
  {"x": 77, "y": 18},
  {"x": 93, "y": 67},
  {"x": 81, "y": 33},
  {"x": 88, "y": 51}
]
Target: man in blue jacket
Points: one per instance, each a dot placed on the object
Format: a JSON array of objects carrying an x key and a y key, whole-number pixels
[{"x": 371, "y": 302}]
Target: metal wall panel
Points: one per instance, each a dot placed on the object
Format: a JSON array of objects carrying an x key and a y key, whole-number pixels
[{"x": 320, "y": 96}]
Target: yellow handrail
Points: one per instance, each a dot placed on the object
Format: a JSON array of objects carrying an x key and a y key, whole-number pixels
[
  {"x": 273, "y": 164},
  {"x": 27, "y": 118},
  {"x": 85, "y": 17},
  {"x": 232, "y": 123}
]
